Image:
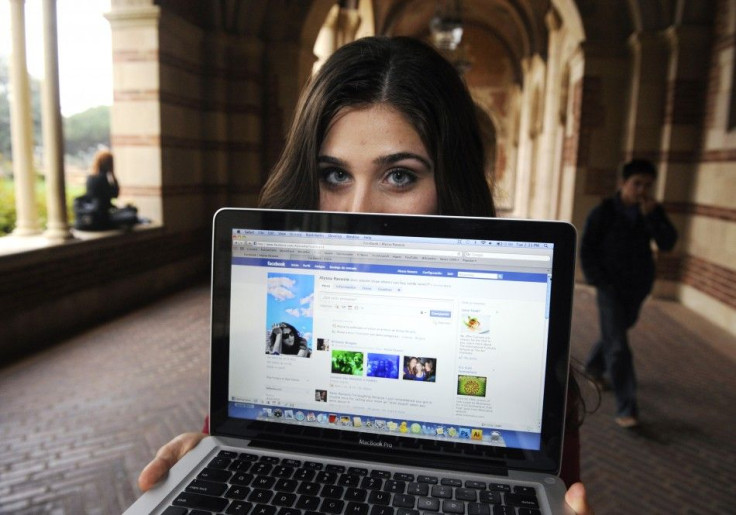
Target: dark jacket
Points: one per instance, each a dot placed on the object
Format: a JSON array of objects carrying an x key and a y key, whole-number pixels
[{"x": 616, "y": 246}]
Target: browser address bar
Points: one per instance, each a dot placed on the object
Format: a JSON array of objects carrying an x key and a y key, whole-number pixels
[{"x": 357, "y": 248}]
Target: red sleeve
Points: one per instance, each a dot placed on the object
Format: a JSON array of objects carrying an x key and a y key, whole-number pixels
[{"x": 206, "y": 427}]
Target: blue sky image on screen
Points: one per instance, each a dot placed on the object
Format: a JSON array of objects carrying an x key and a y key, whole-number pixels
[{"x": 290, "y": 298}]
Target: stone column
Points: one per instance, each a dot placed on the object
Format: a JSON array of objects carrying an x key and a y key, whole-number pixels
[
  {"x": 21, "y": 127},
  {"x": 53, "y": 138}
]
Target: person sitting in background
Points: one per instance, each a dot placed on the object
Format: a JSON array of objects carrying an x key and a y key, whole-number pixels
[{"x": 95, "y": 211}]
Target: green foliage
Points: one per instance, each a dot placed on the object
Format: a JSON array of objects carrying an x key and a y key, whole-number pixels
[
  {"x": 7, "y": 204},
  {"x": 85, "y": 132}
]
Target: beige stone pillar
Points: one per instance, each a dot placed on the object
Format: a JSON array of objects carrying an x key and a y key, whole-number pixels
[
  {"x": 53, "y": 136},
  {"x": 21, "y": 127}
]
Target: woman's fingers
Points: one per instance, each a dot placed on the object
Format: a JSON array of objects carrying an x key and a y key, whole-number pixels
[
  {"x": 577, "y": 499},
  {"x": 166, "y": 457}
]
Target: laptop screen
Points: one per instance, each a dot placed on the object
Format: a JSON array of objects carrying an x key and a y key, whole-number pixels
[
  {"x": 440, "y": 340},
  {"x": 431, "y": 338}
]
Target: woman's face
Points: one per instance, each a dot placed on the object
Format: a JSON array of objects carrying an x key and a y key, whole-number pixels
[{"x": 373, "y": 161}]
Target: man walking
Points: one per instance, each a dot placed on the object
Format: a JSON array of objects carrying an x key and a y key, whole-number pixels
[{"x": 617, "y": 259}]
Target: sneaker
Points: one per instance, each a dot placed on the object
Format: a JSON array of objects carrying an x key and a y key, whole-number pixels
[{"x": 627, "y": 422}]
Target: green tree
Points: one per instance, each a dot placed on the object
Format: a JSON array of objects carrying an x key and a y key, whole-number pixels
[{"x": 85, "y": 132}]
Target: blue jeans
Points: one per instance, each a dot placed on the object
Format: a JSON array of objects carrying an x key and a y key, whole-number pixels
[{"x": 612, "y": 354}]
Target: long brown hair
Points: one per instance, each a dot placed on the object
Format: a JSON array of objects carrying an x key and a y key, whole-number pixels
[
  {"x": 102, "y": 163},
  {"x": 418, "y": 82}
]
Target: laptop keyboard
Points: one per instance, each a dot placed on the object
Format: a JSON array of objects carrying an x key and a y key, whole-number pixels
[{"x": 243, "y": 483}]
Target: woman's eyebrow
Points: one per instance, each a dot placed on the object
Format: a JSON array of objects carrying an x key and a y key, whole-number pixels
[
  {"x": 400, "y": 156},
  {"x": 331, "y": 160}
]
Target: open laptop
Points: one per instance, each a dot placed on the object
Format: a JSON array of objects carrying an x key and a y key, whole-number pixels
[{"x": 377, "y": 364}]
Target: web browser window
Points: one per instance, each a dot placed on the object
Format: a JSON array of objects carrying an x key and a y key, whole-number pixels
[{"x": 373, "y": 333}]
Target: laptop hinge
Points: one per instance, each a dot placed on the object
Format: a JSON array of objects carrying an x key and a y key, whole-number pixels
[{"x": 459, "y": 462}]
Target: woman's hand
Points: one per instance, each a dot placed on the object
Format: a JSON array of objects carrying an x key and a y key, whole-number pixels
[
  {"x": 577, "y": 499},
  {"x": 166, "y": 457}
]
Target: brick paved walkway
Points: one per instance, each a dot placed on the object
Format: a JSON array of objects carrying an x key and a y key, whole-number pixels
[{"x": 78, "y": 422}]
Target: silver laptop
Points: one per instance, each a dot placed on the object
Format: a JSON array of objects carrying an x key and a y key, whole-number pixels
[{"x": 381, "y": 364}]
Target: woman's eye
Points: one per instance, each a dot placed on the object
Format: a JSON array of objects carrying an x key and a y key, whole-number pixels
[
  {"x": 401, "y": 178},
  {"x": 334, "y": 176}
]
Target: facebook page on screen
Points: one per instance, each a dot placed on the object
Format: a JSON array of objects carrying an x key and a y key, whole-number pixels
[{"x": 428, "y": 338}]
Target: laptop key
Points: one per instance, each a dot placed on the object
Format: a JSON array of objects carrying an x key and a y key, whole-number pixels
[
  {"x": 450, "y": 506},
  {"x": 499, "y": 487},
  {"x": 404, "y": 511},
  {"x": 260, "y": 495},
  {"x": 238, "y": 507},
  {"x": 404, "y": 501},
  {"x": 348, "y": 480},
  {"x": 261, "y": 468},
  {"x": 378, "y": 497},
  {"x": 466, "y": 494},
  {"x": 332, "y": 506},
  {"x": 286, "y": 485},
  {"x": 446, "y": 481},
  {"x": 308, "y": 502},
  {"x": 443, "y": 492},
  {"x": 241, "y": 479},
  {"x": 262, "y": 509},
  {"x": 284, "y": 499},
  {"x": 382, "y": 510},
  {"x": 204, "y": 502},
  {"x": 227, "y": 454},
  {"x": 478, "y": 485},
  {"x": 355, "y": 494},
  {"x": 400, "y": 476},
  {"x": 304, "y": 474},
  {"x": 309, "y": 488},
  {"x": 475, "y": 508},
  {"x": 237, "y": 492},
  {"x": 503, "y": 510},
  {"x": 432, "y": 480},
  {"x": 383, "y": 474},
  {"x": 210, "y": 474},
  {"x": 219, "y": 462},
  {"x": 289, "y": 511},
  {"x": 273, "y": 460},
  {"x": 282, "y": 471},
  {"x": 175, "y": 510},
  {"x": 357, "y": 508},
  {"x": 418, "y": 489},
  {"x": 206, "y": 487},
  {"x": 332, "y": 491},
  {"x": 339, "y": 469},
  {"x": 489, "y": 497},
  {"x": 372, "y": 483},
  {"x": 313, "y": 465},
  {"x": 357, "y": 471},
  {"x": 428, "y": 504},
  {"x": 525, "y": 490},
  {"x": 522, "y": 501},
  {"x": 529, "y": 511},
  {"x": 395, "y": 487},
  {"x": 263, "y": 482},
  {"x": 326, "y": 477}
]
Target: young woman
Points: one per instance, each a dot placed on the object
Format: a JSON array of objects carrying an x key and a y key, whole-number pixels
[{"x": 385, "y": 126}]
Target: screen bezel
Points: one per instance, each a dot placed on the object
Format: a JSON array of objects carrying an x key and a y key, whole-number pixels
[{"x": 561, "y": 234}]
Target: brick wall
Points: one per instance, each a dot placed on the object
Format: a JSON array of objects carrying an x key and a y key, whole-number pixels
[{"x": 80, "y": 283}]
